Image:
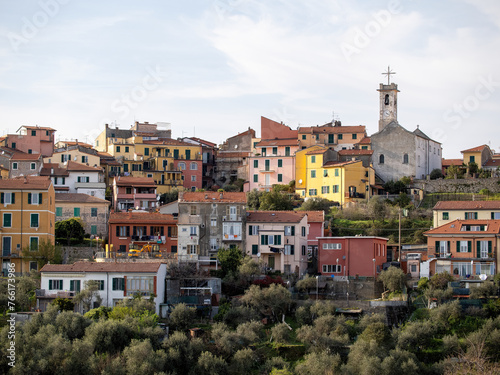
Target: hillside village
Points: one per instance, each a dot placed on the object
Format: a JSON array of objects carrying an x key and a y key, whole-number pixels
[{"x": 326, "y": 208}]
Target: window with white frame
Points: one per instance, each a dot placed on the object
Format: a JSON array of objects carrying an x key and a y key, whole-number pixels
[
  {"x": 332, "y": 268},
  {"x": 140, "y": 285},
  {"x": 253, "y": 230},
  {"x": 193, "y": 231},
  {"x": 483, "y": 248},
  {"x": 8, "y": 198},
  {"x": 192, "y": 249},
  {"x": 213, "y": 243},
  {"x": 213, "y": 222},
  {"x": 193, "y": 166},
  {"x": 182, "y": 166},
  {"x": 289, "y": 250},
  {"x": 32, "y": 166},
  {"x": 289, "y": 230},
  {"x": 14, "y": 165},
  {"x": 463, "y": 246},
  {"x": 193, "y": 178},
  {"x": 462, "y": 268},
  {"x": 55, "y": 284},
  {"x": 231, "y": 231},
  {"x": 332, "y": 246}
]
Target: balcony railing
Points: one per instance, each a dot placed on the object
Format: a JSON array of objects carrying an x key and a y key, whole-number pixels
[
  {"x": 113, "y": 255},
  {"x": 53, "y": 294}
]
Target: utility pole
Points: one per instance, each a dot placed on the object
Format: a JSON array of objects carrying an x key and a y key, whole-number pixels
[{"x": 399, "y": 237}]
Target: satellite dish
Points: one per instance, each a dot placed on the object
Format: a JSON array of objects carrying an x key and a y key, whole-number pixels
[
  {"x": 300, "y": 181},
  {"x": 483, "y": 276},
  {"x": 258, "y": 254},
  {"x": 235, "y": 146}
]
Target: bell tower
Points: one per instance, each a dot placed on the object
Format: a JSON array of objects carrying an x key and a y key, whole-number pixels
[{"x": 388, "y": 101}]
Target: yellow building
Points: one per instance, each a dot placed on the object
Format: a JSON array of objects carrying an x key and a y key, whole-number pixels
[
  {"x": 479, "y": 155},
  {"x": 320, "y": 174},
  {"x": 27, "y": 211}
]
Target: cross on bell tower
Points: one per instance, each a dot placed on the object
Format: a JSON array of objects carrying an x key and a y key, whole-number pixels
[{"x": 388, "y": 101}]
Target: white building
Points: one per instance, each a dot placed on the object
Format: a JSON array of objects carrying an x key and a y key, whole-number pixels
[{"x": 118, "y": 281}]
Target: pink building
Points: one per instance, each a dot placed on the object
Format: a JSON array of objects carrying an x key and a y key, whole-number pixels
[
  {"x": 351, "y": 256},
  {"x": 316, "y": 221},
  {"x": 32, "y": 140},
  {"x": 273, "y": 163},
  {"x": 134, "y": 193}
]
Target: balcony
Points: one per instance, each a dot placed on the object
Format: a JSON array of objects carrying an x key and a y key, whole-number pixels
[
  {"x": 266, "y": 170},
  {"x": 43, "y": 293},
  {"x": 113, "y": 256},
  {"x": 147, "y": 239},
  {"x": 231, "y": 218},
  {"x": 231, "y": 237}
]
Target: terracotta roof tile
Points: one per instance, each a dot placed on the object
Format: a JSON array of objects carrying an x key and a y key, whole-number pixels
[
  {"x": 72, "y": 166},
  {"x": 213, "y": 197},
  {"x": 492, "y": 163},
  {"x": 316, "y": 151},
  {"x": 448, "y": 162},
  {"x": 455, "y": 227},
  {"x": 355, "y": 152},
  {"x": 18, "y": 155},
  {"x": 467, "y": 205},
  {"x": 36, "y": 128},
  {"x": 275, "y": 216},
  {"x": 141, "y": 217},
  {"x": 79, "y": 198},
  {"x": 340, "y": 163},
  {"x": 475, "y": 149},
  {"x": 53, "y": 169},
  {"x": 102, "y": 267},
  {"x": 315, "y": 216},
  {"x": 134, "y": 181},
  {"x": 26, "y": 182},
  {"x": 365, "y": 141},
  {"x": 332, "y": 129}
]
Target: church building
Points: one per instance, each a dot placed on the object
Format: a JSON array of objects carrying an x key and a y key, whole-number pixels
[{"x": 398, "y": 152}]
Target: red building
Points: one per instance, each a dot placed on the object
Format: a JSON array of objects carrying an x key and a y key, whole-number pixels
[
  {"x": 134, "y": 230},
  {"x": 351, "y": 256}
]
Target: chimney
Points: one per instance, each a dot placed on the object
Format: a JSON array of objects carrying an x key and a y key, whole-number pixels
[
  {"x": 221, "y": 194},
  {"x": 130, "y": 213},
  {"x": 25, "y": 179},
  {"x": 51, "y": 170},
  {"x": 181, "y": 195}
]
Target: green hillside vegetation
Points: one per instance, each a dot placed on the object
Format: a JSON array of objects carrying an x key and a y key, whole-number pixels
[{"x": 313, "y": 339}]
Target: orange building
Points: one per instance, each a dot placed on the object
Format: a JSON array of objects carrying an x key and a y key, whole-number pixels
[
  {"x": 27, "y": 211},
  {"x": 464, "y": 247}
]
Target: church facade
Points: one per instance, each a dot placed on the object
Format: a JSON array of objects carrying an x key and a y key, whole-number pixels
[{"x": 398, "y": 152}]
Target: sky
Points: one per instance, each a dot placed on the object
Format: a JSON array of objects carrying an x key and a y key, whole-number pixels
[{"x": 212, "y": 68}]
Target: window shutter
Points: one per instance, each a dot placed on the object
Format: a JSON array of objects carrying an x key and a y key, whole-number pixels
[
  {"x": 458, "y": 246},
  {"x": 492, "y": 215},
  {"x": 29, "y": 198},
  {"x": 128, "y": 231},
  {"x": 292, "y": 249},
  {"x": 469, "y": 246},
  {"x": 475, "y": 215},
  {"x": 293, "y": 230},
  {"x": 478, "y": 249},
  {"x": 437, "y": 247},
  {"x": 72, "y": 285},
  {"x": 62, "y": 158},
  {"x": 13, "y": 198},
  {"x": 250, "y": 230},
  {"x": 40, "y": 197},
  {"x": 50, "y": 284},
  {"x": 490, "y": 247},
  {"x": 162, "y": 231},
  {"x": 448, "y": 247},
  {"x": 1, "y": 198},
  {"x": 117, "y": 231}
]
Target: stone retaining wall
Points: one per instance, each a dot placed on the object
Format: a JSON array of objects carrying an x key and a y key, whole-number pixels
[{"x": 463, "y": 185}]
